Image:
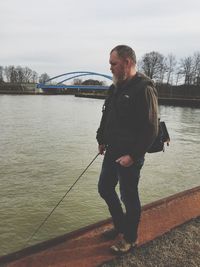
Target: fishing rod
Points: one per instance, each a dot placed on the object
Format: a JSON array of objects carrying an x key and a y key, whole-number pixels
[{"x": 47, "y": 217}]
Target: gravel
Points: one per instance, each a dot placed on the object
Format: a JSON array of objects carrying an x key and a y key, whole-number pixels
[{"x": 178, "y": 248}]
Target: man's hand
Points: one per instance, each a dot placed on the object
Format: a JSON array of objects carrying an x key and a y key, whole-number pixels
[
  {"x": 125, "y": 161},
  {"x": 102, "y": 149}
]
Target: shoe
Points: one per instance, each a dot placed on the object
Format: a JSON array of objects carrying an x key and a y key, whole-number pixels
[
  {"x": 110, "y": 234},
  {"x": 122, "y": 247}
]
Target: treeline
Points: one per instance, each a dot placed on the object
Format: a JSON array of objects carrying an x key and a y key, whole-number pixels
[
  {"x": 18, "y": 74},
  {"x": 166, "y": 70},
  {"x": 170, "y": 70},
  {"x": 78, "y": 81},
  {"x": 162, "y": 69}
]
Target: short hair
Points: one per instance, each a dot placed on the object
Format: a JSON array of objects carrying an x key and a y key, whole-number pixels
[{"x": 125, "y": 51}]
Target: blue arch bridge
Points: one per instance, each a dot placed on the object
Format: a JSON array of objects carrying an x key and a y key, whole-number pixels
[{"x": 52, "y": 86}]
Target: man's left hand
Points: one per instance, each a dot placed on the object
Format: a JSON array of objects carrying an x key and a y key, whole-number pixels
[{"x": 125, "y": 161}]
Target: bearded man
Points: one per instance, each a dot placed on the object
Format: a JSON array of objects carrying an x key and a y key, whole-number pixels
[{"x": 128, "y": 127}]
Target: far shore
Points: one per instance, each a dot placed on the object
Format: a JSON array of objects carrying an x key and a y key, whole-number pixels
[{"x": 182, "y": 95}]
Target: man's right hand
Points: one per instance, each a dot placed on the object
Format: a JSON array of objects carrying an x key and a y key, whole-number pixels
[{"x": 102, "y": 149}]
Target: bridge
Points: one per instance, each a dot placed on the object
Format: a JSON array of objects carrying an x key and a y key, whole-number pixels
[{"x": 50, "y": 86}]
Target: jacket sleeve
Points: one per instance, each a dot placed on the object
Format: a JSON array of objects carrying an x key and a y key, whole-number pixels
[{"x": 147, "y": 126}]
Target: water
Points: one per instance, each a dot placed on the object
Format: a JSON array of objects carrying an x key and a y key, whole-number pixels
[{"x": 47, "y": 141}]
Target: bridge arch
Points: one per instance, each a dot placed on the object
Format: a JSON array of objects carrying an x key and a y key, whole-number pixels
[
  {"x": 61, "y": 87},
  {"x": 76, "y": 74}
]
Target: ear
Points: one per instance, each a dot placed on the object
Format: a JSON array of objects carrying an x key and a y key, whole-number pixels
[{"x": 128, "y": 62}]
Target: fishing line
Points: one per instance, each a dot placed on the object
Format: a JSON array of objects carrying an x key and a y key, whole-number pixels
[{"x": 47, "y": 217}]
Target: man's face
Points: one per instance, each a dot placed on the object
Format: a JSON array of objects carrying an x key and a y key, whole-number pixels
[{"x": 117, "y": 67}]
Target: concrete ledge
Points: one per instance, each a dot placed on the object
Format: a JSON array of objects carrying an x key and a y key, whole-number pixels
[{"x": 85, "y": 247}]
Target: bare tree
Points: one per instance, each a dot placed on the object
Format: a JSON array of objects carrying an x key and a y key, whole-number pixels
[
  {"x": 44, "y": 77},
  {"x": 1, "y": 74},
  {"x": 77, "y": 81},
  {"x": 92, "y": 82},
  {"x": 27, "y": 74},
  {"x": 178, "y": 77},
  {"x": 34, "y": 78},
  {"x": 171, "y": 64},
  {"x": 196, "y": 68},
  {"x": 163, "y": 70},
  {"x": 10, "y": 74},
  {"x": 19, "y": 74},
  {"x": 153, "y": 65},
  {"x": 7, "y": 74},
  {"x": 186, "y": 66},
  {"x": 139, "y": 65}
]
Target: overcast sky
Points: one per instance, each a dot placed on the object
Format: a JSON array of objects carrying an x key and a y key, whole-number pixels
[{"x": 58, "y": 36}]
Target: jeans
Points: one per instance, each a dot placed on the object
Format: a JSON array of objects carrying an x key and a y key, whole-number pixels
[{"x": 128, "y": 178}]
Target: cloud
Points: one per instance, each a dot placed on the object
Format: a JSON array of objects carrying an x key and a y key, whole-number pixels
[{"x": 63, "y": 35}]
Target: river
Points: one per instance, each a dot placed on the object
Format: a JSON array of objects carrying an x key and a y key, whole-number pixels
[{"x": 47, "y": 141}]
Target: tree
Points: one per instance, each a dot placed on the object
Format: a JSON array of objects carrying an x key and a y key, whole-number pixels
[
  {"x": 27, "y": 74},
  {"x": 43, "y": 77},
  {"x": 34, "y": 77},
  {"x": 186, "y": 66},
  {"x": 20, "y": 74},
  {"x": 171, "y": 64},
  {"x": 10, "y": 74},
  {"x": 92, "y": 82},
  {"x": 139, "y": 65},
  {"x": 1, "y": 74},
  {"x": 153, "y": 65},
  {"x": 196, "y": 68},
  {"x": 162, "y": 70},
  {"x": 77, "y": 81}
]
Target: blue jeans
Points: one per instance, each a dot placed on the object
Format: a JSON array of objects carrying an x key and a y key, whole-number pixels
[{"x": 128, "y": 178}]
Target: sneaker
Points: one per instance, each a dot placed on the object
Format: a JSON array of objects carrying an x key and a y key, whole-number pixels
[
  {"x": 122, "y": 246},
  {"x": 110, "y": 234}
]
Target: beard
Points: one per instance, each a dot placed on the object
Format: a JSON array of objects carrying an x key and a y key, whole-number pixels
[{"x": 119, "y": 79}]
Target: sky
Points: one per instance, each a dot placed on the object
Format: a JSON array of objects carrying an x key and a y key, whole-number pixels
[{"x": 59, "y": 36}]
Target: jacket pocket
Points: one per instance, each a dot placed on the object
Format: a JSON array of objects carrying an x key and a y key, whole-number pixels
[{"x": 124, "y": 108}]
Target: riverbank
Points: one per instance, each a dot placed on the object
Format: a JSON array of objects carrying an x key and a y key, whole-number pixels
[
  {"x": 162, "y": 100},
  {"x": 179, "y": 247},
  {"x": 12, "y": 88},
  {"x": 182, "y": 102}
]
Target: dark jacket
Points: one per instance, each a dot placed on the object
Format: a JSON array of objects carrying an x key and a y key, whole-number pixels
[{"x": 129, "y": 121}]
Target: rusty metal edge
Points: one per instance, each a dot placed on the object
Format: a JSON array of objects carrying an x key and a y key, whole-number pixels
[
  {"x": 60, "y": 239},
  {"x": 156, "y": 238},
  {"x": 170, "y": 198}
]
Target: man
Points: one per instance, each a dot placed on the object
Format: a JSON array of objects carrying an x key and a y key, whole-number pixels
[{"x": 128, "y": 127}]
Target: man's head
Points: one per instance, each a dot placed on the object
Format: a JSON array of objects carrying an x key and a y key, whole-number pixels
[{"x": 122, "y": 63}]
